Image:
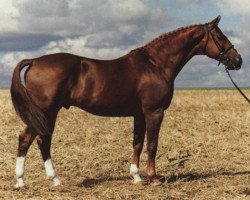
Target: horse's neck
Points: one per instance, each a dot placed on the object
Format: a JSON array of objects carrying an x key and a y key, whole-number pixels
[{"x": 174, "y": 52}]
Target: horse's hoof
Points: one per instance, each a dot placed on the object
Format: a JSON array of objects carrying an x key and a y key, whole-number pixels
[
  {"x": 156, "y": 182},
  {"x": 20, "y": 183},
  {"x": 140, "y": 180},
  {"x": 56, "y": 182},
  {"x": 19, "y": 186},
  {"x": 136, "y": 181}
]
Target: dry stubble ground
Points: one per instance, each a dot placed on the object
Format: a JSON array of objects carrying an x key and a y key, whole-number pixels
[{"x": 203, "y": 152}]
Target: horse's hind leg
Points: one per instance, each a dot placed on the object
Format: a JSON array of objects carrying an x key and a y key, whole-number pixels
[
  {"x": 44, "y": 143},
  {"x": 25, "y": 140},
  {"x": 139, "y": 134}
]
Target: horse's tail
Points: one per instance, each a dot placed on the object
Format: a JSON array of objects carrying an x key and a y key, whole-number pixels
[{"x": 30, "y": 113}]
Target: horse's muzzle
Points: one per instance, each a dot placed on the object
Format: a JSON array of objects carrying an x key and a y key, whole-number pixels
[
  {"x": 233, "y": 63},
  {"x": 238, "y": 62}
]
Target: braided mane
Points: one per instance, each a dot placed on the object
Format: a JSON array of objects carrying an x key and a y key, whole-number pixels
[{"x": 165, "y": 36}]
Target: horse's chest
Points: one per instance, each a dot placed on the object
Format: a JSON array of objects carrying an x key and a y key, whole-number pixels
[
  {"x": 167, "y": 98},
  {"x": 156, "y": 95}
]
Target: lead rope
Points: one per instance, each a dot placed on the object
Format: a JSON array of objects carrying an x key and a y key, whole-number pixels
[{"x": 237, "y": 86}]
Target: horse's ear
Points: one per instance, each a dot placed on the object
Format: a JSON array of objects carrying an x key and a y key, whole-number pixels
[{"x": 216, "y": 21}]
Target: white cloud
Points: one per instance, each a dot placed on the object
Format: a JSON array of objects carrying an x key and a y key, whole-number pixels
[
  {"x": 239, "y": 7},
  {"x": 70, "y": 18},
  {"x": 79, "y": 46},
  {"x": 8, "y": 16},
  {"x": 184, "y": 2},
  {"x": 109, "y": 23}
]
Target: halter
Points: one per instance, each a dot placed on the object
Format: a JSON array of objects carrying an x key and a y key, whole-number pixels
[{"x": 222, "y": 55}]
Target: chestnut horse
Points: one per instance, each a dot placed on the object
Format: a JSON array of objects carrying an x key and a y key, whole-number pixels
[{"x": 139, "y": 84}]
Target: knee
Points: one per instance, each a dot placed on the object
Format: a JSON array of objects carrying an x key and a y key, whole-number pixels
[
  {"x": 138, "y": 147},
  {"x": 43, "y": 141},
  {"x": 23, "y": 146}
]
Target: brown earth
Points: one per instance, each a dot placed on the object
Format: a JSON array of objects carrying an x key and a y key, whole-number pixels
[{"x": 203, "y": 152}]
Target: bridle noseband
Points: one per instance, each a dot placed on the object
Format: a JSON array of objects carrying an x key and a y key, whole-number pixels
[{"x": 222, "y": 55}]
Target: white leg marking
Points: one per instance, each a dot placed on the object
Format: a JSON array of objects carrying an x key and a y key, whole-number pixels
[
  {"x": 134, "y": 171},
  {"x": 49, "y": 168},
  {"x": 20, "y": 162}
]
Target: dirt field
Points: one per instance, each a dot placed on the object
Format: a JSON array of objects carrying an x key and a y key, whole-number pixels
[{"x": 203, "y": 152}]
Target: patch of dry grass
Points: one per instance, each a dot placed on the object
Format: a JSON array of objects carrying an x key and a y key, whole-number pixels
[{"x": 203, "y": 152}]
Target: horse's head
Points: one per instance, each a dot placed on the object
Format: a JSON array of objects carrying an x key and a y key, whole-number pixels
[{"x": 218, "y": 46}]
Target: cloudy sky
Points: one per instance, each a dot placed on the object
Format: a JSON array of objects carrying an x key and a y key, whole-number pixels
[{"x": 107, "y": 29}]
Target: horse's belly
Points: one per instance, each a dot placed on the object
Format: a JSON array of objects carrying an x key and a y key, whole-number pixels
[
  {"x": 106, "y": 106},
  {"x": 110, "y": 111}
]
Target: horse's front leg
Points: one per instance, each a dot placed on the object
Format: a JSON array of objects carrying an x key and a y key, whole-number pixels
[
  {"x": 139, "y": 134},
  {"x": 153, "y": 123},
  {"x": 25, "y": 140}
]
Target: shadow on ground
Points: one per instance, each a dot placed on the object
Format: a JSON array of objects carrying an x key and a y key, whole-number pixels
[{"x": 187, "y": 177}]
